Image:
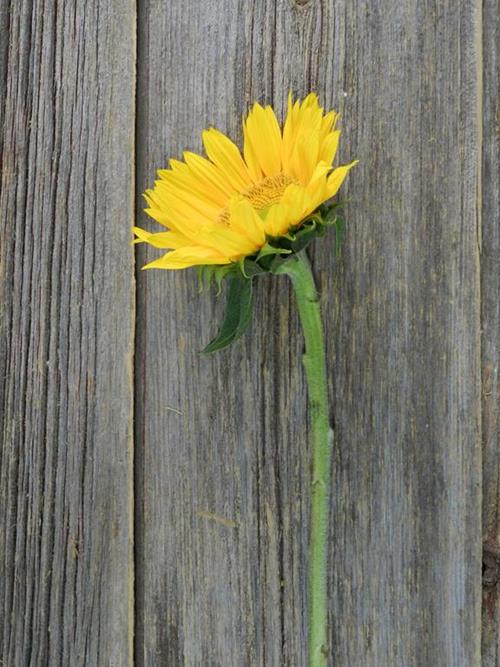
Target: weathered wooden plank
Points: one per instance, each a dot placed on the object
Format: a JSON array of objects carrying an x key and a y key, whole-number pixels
[
  {"x": 67, "y": 300},
  {"x": 227, "y": 435},
  {"x": 490, "y": 325},
  {"x": 407, "y": 359}
]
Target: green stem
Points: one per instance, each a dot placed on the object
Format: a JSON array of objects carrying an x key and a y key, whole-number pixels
[{"x": 299, "y": 271}]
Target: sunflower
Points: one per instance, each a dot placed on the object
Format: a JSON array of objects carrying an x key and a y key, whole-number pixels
[{"x": 222, "y": 209}]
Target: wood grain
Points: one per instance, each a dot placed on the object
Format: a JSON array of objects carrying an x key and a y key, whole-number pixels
[
  {"x": 226, "y": 436},
  {"x": 490, "y": 326},
  {"x": 222, "y": 443},
  {"x": 67, "y": 319},
  {"x": 407, "y": 360}
]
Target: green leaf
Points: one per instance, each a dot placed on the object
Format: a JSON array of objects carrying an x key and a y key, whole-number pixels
[{"x": 238, "y": 314}]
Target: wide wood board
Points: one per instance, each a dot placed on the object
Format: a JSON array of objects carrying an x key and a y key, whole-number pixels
[
  {"x": 222, "y": 444},
  {"x": 67, "y": 328}
]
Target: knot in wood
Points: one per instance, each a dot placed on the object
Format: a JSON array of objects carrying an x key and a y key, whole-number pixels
[{"x": 491, "y": 570}]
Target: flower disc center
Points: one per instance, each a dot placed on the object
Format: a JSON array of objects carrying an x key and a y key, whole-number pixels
[{"x": 263, "y": 194}]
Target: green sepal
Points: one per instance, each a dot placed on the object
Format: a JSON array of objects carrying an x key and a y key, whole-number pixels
[
  {"x": 269, "y": 249},
  {"x": 299, "y": 238},
  {"x": 249, "y": 268},
  {"x": 265, "y": 259},
  {"x": 329, "y": 212},
  {"x": 238, "y": 314},
  {"x": 213, "y": 273},
  {"x": 204, "y": 280}
]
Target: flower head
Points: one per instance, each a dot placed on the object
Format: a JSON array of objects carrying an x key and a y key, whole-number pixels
[{"x": 219, "y": 210}]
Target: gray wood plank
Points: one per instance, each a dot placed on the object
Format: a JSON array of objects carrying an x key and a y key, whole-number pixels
[
  {"x": 490, "y": 325},
  {"x": 67, "y": 295},
  {"x": 227, "y": 435},
  {"x": 407, "y": 359}
]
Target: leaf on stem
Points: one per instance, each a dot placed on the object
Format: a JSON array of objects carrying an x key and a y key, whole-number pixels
[{"x": 238, "y": 314}]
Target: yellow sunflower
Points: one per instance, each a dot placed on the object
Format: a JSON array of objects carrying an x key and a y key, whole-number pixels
[{"x": 220, "y": 210}]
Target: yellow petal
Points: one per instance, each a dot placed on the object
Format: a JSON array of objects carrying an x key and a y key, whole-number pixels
[
  {"x": 170, "y": 217},
  {"x": 185, "y": 257},
  {"x": 186, "y": 202},
  {"x": 310, "y": 102},
  {"x": 289, "y": 131},
  {"x": 263, "y": 137},
  {"x": 227, "y": 242},
  {"x": 309, "y": 118},
  {"x": 168, "y": 239},
  {"x": 317, "y": 186},
  {"x": 329, "y": 147},
  {"x": 187, "y": 181},
  {"x": 320, "y": 171},
  {"x": 208, "y": 173},
  {"x": 155, "y": 208},
  {"x": 251, "y": 156},
  {"x": 289, "y": 212},
  {"x": 245, "y": 220},
  {"x": 300, "y": 203},
  {"x": 305, "y": 156},
  {"x": 328, "y": 123},
  {"x": 337, "y": 177},
  {"x": 302, "y": 125},
  {"x": 225, "y": 155},
  {"x": 277, "y": 220},
  {"x": 290, "y": 120}
]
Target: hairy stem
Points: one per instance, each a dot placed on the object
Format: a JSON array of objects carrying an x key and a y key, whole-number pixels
[{"x": 299, "y": 271}]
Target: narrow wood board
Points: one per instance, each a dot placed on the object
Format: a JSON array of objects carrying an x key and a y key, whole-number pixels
[
  {"x": 490, "y": 327},
  {"x": 222, "y": 442},
  {"x": 67, "y": 324}
]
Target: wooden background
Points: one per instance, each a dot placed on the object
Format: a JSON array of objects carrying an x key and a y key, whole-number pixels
[{"x": 154, "y": 503}]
